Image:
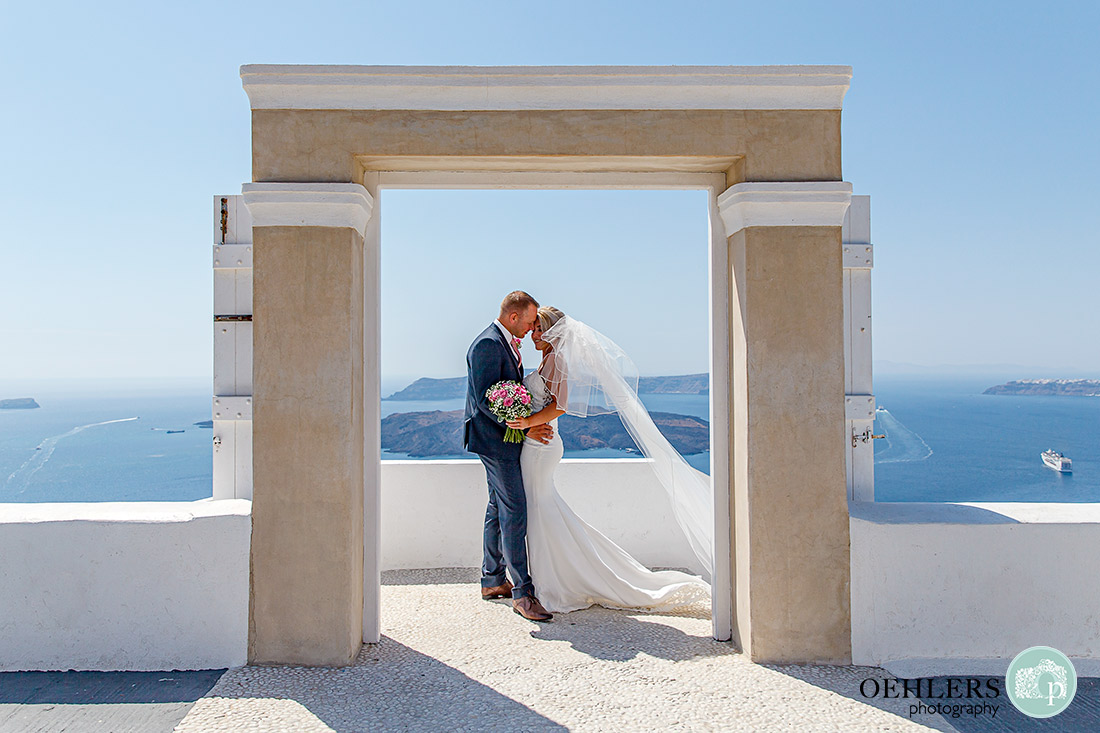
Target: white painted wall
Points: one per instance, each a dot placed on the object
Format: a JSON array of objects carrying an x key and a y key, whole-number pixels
[
  {"x": 963, "y": 588},
  {"x": 124, "y": 586},
  {"x": 433, "y": 511}
]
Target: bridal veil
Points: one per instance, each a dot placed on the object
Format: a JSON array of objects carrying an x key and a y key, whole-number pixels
[{"x": 591, "y": 375}]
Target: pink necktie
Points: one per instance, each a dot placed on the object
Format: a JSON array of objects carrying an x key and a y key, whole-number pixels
[{"x": 519, "y": 357}]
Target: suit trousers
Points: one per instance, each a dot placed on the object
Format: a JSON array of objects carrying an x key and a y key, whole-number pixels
[{"x": 505, "y": 527}]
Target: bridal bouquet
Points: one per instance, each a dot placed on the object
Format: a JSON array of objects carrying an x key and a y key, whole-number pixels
[{"x": 509, "y": 401}]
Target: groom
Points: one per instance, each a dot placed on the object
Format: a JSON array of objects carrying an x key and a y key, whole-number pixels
[{"x": 494, "y": 356}]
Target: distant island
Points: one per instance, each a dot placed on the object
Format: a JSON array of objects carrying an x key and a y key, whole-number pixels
[
  {"x": 1049, "y": 387},
  {"x": 439, "y": 433},
  {"x": 204, "y": 424},
  {"x": 684, "y": 384},
  {"x": 454, "y": 388},
  {"x": 428, "y": 389},
  {"x": 20, "y": 403}
]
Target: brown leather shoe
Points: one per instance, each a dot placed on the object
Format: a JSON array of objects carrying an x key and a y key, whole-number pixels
[
  {"x": 499, "y": 591},
  {"x": 530, "y": 608}
]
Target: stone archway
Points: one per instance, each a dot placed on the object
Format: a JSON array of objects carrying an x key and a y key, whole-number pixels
[{"x": 764, "y": 140}]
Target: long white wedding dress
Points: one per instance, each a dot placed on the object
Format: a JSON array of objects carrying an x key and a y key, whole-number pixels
[{"x": 573, "y": 565}]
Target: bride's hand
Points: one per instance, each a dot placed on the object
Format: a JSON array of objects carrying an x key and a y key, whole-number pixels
[{"x": 522, "y": 424}]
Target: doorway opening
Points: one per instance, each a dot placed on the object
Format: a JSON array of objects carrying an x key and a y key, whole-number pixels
[{"x": 637, "y": 262}]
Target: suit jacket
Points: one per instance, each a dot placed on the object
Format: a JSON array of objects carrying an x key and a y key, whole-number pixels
[{"x": 489, "y": 360}]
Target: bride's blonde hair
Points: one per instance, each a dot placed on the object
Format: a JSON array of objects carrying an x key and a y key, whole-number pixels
[{"x": 548, "y": 316}]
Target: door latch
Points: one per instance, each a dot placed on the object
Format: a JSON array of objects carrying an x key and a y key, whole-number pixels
[{"x": 866, "y": 436}]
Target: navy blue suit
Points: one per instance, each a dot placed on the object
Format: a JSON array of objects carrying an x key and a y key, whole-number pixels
[{"x": 490, "y": 360}]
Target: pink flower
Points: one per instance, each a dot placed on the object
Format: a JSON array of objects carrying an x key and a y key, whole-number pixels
[
  {"x": 525, "y": 399},
  {"x": 507, "y": 401}
]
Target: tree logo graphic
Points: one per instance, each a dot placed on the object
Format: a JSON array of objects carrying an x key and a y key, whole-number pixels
[{"x": 1041, "y": 682}]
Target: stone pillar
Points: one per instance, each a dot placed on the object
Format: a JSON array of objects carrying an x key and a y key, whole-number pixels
[
  {"x": 789, "y": 496},
  {"x": 306, "y": 587}
]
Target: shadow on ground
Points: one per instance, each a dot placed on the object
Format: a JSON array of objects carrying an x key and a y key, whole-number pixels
[
  {"x": 587, "y": 632},
  {"x": 390, "y": 687},
  {"x": 987, "y": 714},
  {"x": 1083, "y": 714},
  {"x": 100, "y": 701},
  {"x": 432, "y": 576}
]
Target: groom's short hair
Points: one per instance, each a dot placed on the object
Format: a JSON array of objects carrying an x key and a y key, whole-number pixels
[{"x": 516, "y": 301}]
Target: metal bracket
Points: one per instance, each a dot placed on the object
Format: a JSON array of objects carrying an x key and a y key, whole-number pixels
[
  {"x": 237, "y": 407},
  {"x": 231, "y": 256},
  {"x": 858, "y": 256},
  {"x": 859, "y": 407}
]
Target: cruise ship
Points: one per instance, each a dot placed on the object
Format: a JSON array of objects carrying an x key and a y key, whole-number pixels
[{"x": 1057, "y": 461}]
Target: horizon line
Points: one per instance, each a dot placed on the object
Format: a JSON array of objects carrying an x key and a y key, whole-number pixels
[{"x": 887, "y": 364}]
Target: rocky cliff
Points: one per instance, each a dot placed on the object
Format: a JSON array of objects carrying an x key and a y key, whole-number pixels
[
  {"x": 438, "y": 433},
  {"x": 454, "y": 388}
]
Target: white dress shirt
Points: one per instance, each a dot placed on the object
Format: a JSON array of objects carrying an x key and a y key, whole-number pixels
[{"x": 508, "y": 337}]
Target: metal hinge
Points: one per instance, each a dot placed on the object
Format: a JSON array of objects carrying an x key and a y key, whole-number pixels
[
  {"x": 225, "y": 218},
  {"x": 222, "y": 319}
]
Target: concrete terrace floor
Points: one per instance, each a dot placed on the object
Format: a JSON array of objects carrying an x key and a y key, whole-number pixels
[{"x": 449, "y": 661}]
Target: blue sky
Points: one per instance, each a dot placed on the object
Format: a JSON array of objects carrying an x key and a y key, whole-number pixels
[
  {"x": 632, "y": 264},
  {"x": 971, "y": 125}
]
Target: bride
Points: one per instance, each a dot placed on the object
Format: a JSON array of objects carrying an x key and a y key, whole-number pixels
[{"x": 573, "y": 565}]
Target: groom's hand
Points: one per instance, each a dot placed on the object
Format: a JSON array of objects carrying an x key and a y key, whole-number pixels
[{"x": 542, "y": 433}]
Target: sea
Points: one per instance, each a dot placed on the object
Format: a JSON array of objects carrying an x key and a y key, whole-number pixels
[{"x": 944, "y": 441}]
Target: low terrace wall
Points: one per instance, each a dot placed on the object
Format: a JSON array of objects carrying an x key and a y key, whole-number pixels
[
  {"x": 124, "y": 586},
  {"x": 964, "y": 588},
  {"x": 433, "y": 511}
]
